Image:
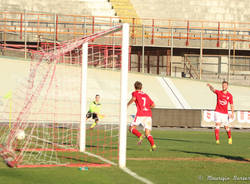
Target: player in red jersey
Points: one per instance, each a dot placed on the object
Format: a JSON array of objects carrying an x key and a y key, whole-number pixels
[
  {"x": 143, "y": 115},
  {"x": 221, "y": 115}
]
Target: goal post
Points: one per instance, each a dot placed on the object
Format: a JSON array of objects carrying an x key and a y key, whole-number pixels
[
  {"x": 51, "y": 101},
  {"x": 84, "y": 97},
  {"x": 123, "y": 98}
]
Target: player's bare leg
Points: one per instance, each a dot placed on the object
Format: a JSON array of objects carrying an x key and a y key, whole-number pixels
[
  {"x": 230, "y": 141},
  {"x": 138, "y": 134},
  {"x": 217, "y": 132},
  {"x": 150, "y": 139}
]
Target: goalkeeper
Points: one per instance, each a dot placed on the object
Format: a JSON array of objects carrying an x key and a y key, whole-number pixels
[{"x": 94, "y": 111}]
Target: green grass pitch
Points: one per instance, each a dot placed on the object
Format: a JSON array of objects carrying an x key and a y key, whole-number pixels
[{"x": 183, "y": 156}]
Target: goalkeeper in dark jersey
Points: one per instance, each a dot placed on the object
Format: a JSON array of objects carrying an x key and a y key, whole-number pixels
[{"x": 94, "y": 111}]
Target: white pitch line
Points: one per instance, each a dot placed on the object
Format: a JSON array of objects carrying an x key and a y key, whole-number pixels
[
  {"x": 101, "y": 158},
  {"x": 126, "y": 170},
  {"x": 133, "y": 174}
]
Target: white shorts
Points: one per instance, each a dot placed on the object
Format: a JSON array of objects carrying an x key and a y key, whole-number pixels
[
  {"x": 145, "y": 121},
  {"x": 221, "y": 118}
]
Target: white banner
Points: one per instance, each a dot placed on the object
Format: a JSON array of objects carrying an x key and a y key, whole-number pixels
[{"x": 241, "y": 119}]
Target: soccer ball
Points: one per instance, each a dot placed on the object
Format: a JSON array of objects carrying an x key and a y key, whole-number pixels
[{"x": 20, "y": 135}]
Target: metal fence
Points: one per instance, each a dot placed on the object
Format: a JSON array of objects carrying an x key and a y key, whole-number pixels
[
  {"x": 54, "y": 27},
  {"x": 217, "y": 67},
  {"x": 21, "y": 32}
]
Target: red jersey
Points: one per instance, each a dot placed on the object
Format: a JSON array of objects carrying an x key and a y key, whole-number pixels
[
  {"x": 222, "y": 101},
  {"x": 143, "y": 103}
]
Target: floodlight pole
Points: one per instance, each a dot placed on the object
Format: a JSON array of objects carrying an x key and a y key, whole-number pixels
[
  {"x": 143, "y": 49},
  {"x": 83, "y": 97},
  {"x": 25, "y": 36},
  {"x": 201, "y": 54},
  {"x": 123, "y": 98}
]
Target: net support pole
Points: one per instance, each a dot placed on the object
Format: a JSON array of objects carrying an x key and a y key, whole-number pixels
[
  {"x": 124, "y": 88},
  {"x": 83, "y": 97}
]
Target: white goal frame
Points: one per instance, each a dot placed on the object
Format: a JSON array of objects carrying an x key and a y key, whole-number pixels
[{"x": 123, "y": 96}]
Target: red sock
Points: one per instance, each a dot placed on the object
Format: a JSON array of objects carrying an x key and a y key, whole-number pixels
[
  {"x": 151, "y": 140},
  {"x": 216, "y": 131},
  {"x": 229, "y": 134},
  {"x": 136, "y": 132}
]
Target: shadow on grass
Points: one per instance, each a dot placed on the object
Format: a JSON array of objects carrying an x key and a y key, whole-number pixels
[
  {"x": 102, "y": 147},
  {"x": 228, "y": 157},
  {"x": 170, "y": 139},
  {"x": 80, "y": 160},
  {"x": 174, "y": 140}
]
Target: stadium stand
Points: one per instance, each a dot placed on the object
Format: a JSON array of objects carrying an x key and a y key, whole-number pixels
[
  {"x": 100, "y": 80},
  {"x": 199, "y": 96},
  {"x": 124, "y": 8},
  {"x": 173, "y": 40}
]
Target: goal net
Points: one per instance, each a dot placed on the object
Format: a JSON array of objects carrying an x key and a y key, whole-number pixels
[{"x": 43, "y": 123}]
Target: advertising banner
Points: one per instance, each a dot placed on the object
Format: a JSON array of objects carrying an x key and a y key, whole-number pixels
[{"x": 241, "y": 119}]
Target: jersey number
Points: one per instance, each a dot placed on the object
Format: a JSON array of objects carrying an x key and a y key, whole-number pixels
[
  {"x": 144, "y": 104},
  {"x": 144, "y": 101}
]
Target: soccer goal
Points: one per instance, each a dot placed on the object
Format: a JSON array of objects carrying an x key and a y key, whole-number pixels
[{"x": 47, "y": 124}]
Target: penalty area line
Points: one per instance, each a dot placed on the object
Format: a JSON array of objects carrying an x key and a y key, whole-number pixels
[
  {"x": 101, "y": 158},
  {"x": 126, "y": 170},
  {"x": 133, "y": 174}
]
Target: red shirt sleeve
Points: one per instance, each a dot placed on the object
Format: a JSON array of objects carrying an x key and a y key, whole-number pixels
[
  {"x": 216, "y": 91},
  {"x": 134, "y": 94}
]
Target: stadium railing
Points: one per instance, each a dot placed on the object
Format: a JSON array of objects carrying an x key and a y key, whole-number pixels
[{"x": 55, "y": 27}]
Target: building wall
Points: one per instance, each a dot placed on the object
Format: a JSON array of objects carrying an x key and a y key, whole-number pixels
[
  {"x": 212, "y": 10},
  {"x": 73, "y": 7}
]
